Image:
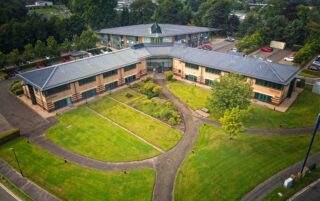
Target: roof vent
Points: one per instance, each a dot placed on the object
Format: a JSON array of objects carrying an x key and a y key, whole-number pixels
[{"x": 156, "y": 29}]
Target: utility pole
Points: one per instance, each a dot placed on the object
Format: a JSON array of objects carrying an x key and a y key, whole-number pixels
[
  {"x": 316, "y": 127},
  {"x": 15, "y": 156}
]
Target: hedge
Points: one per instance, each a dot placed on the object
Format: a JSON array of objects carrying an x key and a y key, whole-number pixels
[{"x": 9, "y": 135}]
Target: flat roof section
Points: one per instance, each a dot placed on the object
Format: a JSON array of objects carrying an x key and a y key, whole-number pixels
[{"x": 145, "y": 30}]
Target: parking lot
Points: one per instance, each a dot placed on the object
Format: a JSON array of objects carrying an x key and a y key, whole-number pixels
[{"x": 220, "y": 45}]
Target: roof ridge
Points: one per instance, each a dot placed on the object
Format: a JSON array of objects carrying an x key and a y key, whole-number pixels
[
  {"x": 275, "y": 72},
  {"x": 50, "y": 76}
]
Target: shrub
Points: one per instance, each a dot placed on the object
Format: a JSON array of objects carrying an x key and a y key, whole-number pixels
[
  {"x": 305, "y": 54},
  {"x": 3, "y": 75},
  {"x": 250, "y": 43},
  {"x": 150, "y": 89},
  {"x": 172, "y": 121},
  {"x": 169, "y": 75},
  {"x": 4, "y": 137},
  {"x": 16, "y": 87}
]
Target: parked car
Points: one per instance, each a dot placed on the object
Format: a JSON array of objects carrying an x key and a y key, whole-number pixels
[
  {"x": 230, "y": 39},
  {"x": 66, "y": 60},
  {"x": 268, "y": 60},
  {"x": 312, "y": 67},
  {"x": 234, "y": 49},
  {"x": 289, "y": 59},
  {"x": 40, "y": 65},
  {"x": 266, "y": 49},
  {"x": 206, "y": 46},
  {"x": 316, "y": 61}
]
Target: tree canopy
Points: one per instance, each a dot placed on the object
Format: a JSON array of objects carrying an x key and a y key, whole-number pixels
[
  {"x": 172, "y": 11},
  {"x": 142, "y": 11},
  {"x": 231, "y": 91}
]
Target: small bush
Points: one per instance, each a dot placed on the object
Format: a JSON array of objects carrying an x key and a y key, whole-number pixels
[
  {"x": 169, "y": 75},
  {"x": 4, "y": 75},
  {"x": 16, "y": 87}
]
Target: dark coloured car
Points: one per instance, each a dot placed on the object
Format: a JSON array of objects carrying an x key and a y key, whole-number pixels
[
  {"x": 313, "y": 67},
  {"x": 266, "y": 49},
  {"x": 316, "y": 61}
]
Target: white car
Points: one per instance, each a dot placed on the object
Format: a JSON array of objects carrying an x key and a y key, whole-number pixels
[
  {"x": 289, "y": 59},
  {"x": 269, "y": 60},
  {"x": 234, "y": 49}
]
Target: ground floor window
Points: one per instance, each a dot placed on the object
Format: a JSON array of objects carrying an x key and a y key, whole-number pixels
[
  {"x": 263, "y": 97},
  {"x": 191, "y": 78},
  {"x": 209, "y": 82},
  {"x": 62, "y": 103},
  {"x": 89, "y": 93},
  {"x": 111, "y": 85},
  {"x": 130, "y": 79},
  {"x": 155, "y": 63}
]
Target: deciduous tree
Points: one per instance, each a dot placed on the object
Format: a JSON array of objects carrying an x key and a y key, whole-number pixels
[
  {"x": 142, "y": 11},
  {"x": 231, "y": 91},
  {"x": 231, "y": 121}
]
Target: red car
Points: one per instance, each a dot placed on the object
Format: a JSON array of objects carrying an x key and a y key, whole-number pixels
[
  {"x": 266, "y": 49},
  {"x": 40, "y": 65},
  {"x": 66, "y": 60},
  {"x": 206, "y": 46}
]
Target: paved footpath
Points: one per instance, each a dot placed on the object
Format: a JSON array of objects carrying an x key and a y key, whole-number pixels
[
  {"x": 267, "y": 186},
  {"x": 31, "y": 189}
]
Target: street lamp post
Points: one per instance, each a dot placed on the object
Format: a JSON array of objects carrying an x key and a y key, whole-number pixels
[
  {"x": 316, "y": 127},
  {"x": 15, "y": 156}
]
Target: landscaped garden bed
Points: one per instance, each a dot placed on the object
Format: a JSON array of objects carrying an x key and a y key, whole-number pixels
[
  {"x": 69, "y": 181},
  {"x": 218, "y": 167}
]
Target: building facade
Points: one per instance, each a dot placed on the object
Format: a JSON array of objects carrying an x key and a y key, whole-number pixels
[
  {"x": 62, "y": 85},
  {"x": 123, "y": 37}
]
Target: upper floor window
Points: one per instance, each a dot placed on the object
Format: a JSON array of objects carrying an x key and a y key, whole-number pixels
[
  {"x": 269, "y": 84},
  {"x": 110, "y": 73},
  {"x": 131, "y": 67},
  {"x": 212, "y": 70},
  {"x": 193, "y": 66},
  {"x": 55, "y": 90},
  {"x": 87, "y": 80}
]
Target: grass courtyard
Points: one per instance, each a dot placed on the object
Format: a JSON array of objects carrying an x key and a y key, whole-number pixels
[
  {"x": 85, "y": 133},
  {"x": 226, "y": 169},
  {"x": 72, "y": 182},
  {"x": 153, "y": 131},
  {"x": 302, "y": 113}
]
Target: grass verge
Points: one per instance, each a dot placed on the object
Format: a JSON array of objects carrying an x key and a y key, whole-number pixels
[{"x": 226, "y": 169}]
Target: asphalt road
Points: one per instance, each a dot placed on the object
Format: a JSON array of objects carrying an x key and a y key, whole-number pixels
[
  {"x": 5, "y": 196},
  {"x": 312, "y": 194}
]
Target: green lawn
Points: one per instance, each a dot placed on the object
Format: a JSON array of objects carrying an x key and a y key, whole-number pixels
[
  {"x": 223, "y": 169},
  {"x": 155, "y": 132},
  {"x": 302, "y": 113},
  {"x": 72, "y": 182},
  {"x": 195, "y": 97},
  {"x": 296, "y": 187},
  {"x": 86, "y": 133},
  {"x": 121, "y": 95}
]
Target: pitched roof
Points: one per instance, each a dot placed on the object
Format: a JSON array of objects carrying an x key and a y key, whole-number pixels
[
  {"x": 60, "y": 74},
  {"x": 145, "y": 30}
]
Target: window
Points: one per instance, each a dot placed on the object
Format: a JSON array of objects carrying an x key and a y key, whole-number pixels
[
  {"x": 191, "y": 78},
  {"x": 193, "y": 66},
  {"x": 56, "y": 90},
  {"x": 262, "y": 97},
  {"x": 111, "y": 85},
  {"x": 130, "y": 79},
  {"x": 110, "y": 73},
  {"x": 269, "y": 84},
  {"x": 209, "y": 82},
  {"x": 87, "y": 80},
  {"x": 89, "y": 93},
  {"x": 62, "y": 103},
  {"x": 212, "y": 70},
  {"x": 131, "y": 67}
]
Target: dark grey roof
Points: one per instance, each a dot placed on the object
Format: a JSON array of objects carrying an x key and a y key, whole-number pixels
[
  {"x": 53, "y": 76},
  {"x": 145, "y": 30}
]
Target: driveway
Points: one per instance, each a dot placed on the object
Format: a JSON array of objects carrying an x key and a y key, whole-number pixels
[{"x": 18, "y": 114}]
